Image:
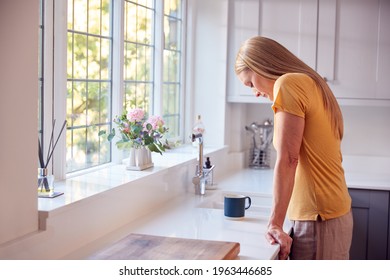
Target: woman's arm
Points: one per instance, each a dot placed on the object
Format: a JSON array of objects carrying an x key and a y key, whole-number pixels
[{"x": 288, "y": 138}]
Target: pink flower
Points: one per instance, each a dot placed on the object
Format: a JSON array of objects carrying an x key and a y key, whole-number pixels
[
  {"x": 136, "y": 115},
  {"x": 155, "y": 121},
  {"x": 136, "y": 132}
]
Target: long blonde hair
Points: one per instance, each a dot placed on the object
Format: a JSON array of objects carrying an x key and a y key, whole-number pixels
[{"x": 271, "y": 60}]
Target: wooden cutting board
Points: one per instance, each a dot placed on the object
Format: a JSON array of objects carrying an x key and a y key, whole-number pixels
[{"x": 149, "y": 247}]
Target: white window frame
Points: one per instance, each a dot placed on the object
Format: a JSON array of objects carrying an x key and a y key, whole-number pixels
[{"x": 55, "y": 75}]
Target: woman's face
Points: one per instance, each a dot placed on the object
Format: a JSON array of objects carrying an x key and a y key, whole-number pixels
[{"x": 261, "y": 86}]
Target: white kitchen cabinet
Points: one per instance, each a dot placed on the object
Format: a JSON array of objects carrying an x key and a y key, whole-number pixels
[
  {"x": 243, "y": 23},
  {"x": 354, "y": 48},
  {"x": 292, "y": 23},
  {"x": 346, "y": 41}
]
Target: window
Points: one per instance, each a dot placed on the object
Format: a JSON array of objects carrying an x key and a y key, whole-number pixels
[
  {"x": 88, "y": 102},
  {"x": 119, "y": 55},
  {"x": 172, "y": 93},
  {"x": 40, "y": 69},
  {"x": 138, "y": 54}
]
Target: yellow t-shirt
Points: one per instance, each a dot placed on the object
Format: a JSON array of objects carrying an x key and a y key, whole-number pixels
[{"x": 319, "y": 187}]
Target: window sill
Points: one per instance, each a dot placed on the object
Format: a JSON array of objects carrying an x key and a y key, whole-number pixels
[{"x": 86, "y": 186}]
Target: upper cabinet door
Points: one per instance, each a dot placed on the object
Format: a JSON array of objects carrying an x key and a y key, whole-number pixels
[
  {"x": 354, "y": 46},
  {"x": 243, "y": 23},
  {"x": 293, "y": 24},
  {"x": 346, "y": 41}
]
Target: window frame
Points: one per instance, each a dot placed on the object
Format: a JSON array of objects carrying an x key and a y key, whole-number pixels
[
  {"x": 55, "y": 80},
  {"x": 101, "y": 80}
]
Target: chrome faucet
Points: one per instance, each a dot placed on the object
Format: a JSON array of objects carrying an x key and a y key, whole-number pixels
[{"x": 200, "y": 180}]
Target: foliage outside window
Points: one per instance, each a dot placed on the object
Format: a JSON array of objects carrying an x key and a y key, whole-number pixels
[
  {"x": 138, "y": 54},
  {"x": 172, "y": 93},
  {"x": 89, "y": 75}
]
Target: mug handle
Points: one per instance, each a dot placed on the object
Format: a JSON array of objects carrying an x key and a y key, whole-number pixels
[{"x": 249, "y": 202}]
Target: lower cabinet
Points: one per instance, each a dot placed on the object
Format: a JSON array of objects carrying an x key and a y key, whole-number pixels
[{"x": 371, "y": 227}]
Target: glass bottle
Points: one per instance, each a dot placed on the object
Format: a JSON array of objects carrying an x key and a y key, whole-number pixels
[{"x": 45, "y": 182}]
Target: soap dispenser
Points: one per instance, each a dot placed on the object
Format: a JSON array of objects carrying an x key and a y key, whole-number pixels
[
  {"x": 208, "y": 163},
  {"x": 209, "y": 174}
]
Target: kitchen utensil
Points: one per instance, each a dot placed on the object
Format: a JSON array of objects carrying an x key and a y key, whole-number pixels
[{"x": 261, "y": 138}]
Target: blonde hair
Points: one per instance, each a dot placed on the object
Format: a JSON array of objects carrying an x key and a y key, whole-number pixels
[{"x": 271, "y": 60}]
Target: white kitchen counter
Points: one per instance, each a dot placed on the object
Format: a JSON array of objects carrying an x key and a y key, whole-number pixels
[
  {"x": 179, "y": 220},
  {"x": 360, "y": 172},
  {"x": 99, "y": 208},
  {"x": 184, "y": 217},
  {"x": 368, "y": 181}
]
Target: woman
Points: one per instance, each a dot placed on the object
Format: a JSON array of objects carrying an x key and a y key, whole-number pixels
[{"x": 309, "y": 184}]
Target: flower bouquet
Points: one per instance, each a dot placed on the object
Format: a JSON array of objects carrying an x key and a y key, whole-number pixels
[{"x": 137, "y": 132}]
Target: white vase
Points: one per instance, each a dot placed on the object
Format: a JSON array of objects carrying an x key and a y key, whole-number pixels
[{"x": 139, "y": 159}]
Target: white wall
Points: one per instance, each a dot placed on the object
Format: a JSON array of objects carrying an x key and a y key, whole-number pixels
[
  {"x": 207, "y": 39},
  {"x": 366, "y": 129},
  {"x": 18, "y": 117}
]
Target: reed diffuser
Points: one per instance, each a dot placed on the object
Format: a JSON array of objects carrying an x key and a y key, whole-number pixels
[{"x": 45, "y": 181}]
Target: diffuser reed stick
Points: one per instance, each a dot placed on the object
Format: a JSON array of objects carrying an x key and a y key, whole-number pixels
[{"x": 43, "y": 182}]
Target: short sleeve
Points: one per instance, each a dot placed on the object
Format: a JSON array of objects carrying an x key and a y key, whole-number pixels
[{"x": 291, "y": 94}]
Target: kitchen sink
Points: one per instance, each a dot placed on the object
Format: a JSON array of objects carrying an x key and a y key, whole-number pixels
[{"x": 261, "y": 203}]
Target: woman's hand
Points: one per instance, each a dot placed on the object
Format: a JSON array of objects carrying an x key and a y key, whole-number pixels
[{"x": 276, "y": 235}]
